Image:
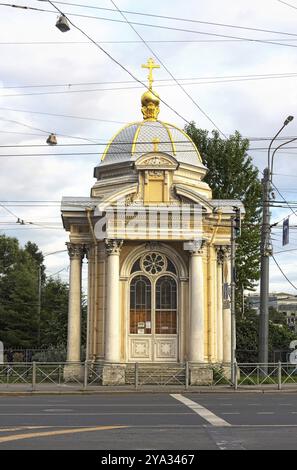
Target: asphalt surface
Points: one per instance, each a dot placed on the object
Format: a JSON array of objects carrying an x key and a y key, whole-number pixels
[{"x": 150, "y": 421}]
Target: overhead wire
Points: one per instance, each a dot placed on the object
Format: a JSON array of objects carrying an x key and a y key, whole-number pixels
[
  {"x": 175, "y": 18},
  {"x": 285, "y": 276},
  {"x": 287, "y": 4},
  {"x": 156, "y": 41},
  {"x": 187, "y": 80},
  {"x": 253, "y": 40},
  {"x": 169, "y": 71},
  {"x": 116, "y": 61},
  {"x": 42, "y": 130}
]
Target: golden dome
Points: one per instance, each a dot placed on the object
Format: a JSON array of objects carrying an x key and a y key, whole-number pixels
[{"x": 150, "y": 97}]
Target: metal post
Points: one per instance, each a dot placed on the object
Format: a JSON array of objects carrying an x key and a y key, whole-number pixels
[
  {"x": 187, "y": 376},
  {"x": 264, "y": 282},
  {"x": 136, "y": 371},
  {"x": 235, "y": 376},
  {"x": 279, "y": 376},
  {"x": 233, "y": 322},
  {"x": 33, "y": 376},
  {"x": 86, "y": 370}
]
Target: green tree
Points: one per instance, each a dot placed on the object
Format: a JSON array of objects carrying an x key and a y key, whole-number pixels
[
  {"x": 19, "y": 318},
  {"x": 276, "y": 317},
  {"x": 247, "y": 338},
  {"x": 232, "y": 175},
  {"x": 18, "y": 294},
  {"x": 54, "y": 313}
]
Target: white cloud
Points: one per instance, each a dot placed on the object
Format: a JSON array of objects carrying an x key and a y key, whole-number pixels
[{"x": 255, "y": 108}]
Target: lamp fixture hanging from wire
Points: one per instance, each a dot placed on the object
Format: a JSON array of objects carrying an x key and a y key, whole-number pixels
[
  {"x": 52, "y": 139},
  {"x": 62, "y": 24}
]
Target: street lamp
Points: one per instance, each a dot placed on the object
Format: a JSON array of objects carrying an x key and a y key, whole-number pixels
[{"x": 266, "y": 251}]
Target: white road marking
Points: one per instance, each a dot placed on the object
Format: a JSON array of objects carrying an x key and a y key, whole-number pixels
[
  {"x": 128, "y": 413},
  {"x": 265, "y": 413},
  {"x": 201, "y": 411},
  {"x": 21, "y": 428},
  {"x": 232, "y": 413},
  {"x": 57, "y": 409}
]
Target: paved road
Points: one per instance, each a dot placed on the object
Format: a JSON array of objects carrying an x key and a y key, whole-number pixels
[{"x": 150, "y": 421}]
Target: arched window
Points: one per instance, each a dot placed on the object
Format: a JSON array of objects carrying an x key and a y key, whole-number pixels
[
  {"x": 140, "y": 305},
  {"x": 166, "y": 305}
]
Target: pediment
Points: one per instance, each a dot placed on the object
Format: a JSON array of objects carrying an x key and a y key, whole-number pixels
[
  {"x": 156, "y": 160},
  {"x": 193, "y": 196}
]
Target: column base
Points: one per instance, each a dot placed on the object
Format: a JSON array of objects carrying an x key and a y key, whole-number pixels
[
  {"x": 73, "y": 372},
  {"x": 114, "y": 374},
  {"x": 201, "y": 375},
  {"x": 227, "y": 372}
]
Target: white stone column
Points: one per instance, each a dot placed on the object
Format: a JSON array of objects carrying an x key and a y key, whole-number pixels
[
  {"x": 76, "y": 253},
  {"x": 112, "y": 338},
  {"x": 227, "y": 307},
  {"x": 220, "y": 259},
  {"x": 196, "y": 307}
]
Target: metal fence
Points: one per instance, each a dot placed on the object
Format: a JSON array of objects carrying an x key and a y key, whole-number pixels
[{"x": 37, "y": 376}]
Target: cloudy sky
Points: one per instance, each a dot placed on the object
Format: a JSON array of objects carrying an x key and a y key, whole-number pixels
[{"x": 242, "y": 78}]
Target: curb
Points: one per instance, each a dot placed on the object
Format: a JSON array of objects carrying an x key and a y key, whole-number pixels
[{"x": 134, "y": 391}]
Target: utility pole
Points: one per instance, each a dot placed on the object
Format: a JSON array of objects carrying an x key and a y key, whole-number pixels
[
  {"x": 235, "y": 232},
  {"x": 39, "y": 305},
  {"x": 266, "y": 251}
]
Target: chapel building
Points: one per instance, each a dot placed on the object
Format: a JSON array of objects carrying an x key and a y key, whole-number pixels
[{"x": 158, "y": 251}]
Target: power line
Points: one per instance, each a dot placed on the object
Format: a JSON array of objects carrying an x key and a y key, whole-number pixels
[
  {"x": 168, "y": 71},
  {"x": 41, "y": 130},
  {"x": 61, "y": 115},
  {"x": 180, "y": 19},
  {"x": 218, "y": 79},
  {"x": 118, "y": 143},
  {"x": 139, "y": 142},
  {"x": 178, "y": 41},
  {"x": 288, "y": 4},
  {"x": 116, "y": 61},
  {"x": 204, "y": 81},
  {"x": 292, "y": 210},
  {"x": 172, "y": 28},
  {"x": 290, "y": 282}
]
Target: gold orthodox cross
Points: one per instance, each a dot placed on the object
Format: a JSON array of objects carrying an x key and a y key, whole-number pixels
[
  {"x": 155, "y": 142},
  {"x": 150, "y": 65}
]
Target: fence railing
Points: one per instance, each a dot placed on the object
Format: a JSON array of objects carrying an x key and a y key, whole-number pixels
[{"x": 91, "y": 375}]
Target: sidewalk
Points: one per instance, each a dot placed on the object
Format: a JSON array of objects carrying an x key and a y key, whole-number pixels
[{"x": 77, "y": 389}]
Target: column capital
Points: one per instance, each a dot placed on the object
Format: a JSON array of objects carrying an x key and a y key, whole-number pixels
[
  {"x": 196, "y": 248},
  {"x": 226, "y": 250},
  {"x": 220, "y": 255},
  {"x": 75, "y": 250},
  {"x": 89, "y": 251},
  {"x": 113, "y": 246}
]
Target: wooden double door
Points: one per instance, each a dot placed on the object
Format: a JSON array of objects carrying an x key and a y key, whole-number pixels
[{"x": 153, "y": 318}]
